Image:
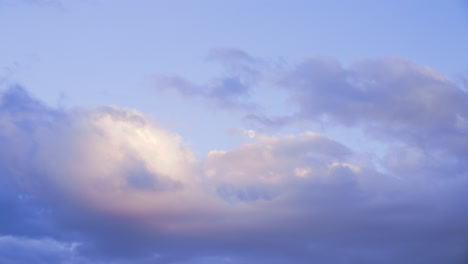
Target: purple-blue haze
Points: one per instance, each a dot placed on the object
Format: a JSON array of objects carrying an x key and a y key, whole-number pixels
[{"x": 193, "y": 132}]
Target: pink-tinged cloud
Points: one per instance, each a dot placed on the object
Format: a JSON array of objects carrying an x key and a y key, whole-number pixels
[{"x": 123, "y": 188}]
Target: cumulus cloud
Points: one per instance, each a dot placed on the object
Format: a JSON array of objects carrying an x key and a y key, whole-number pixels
[
  {"x": 108, "y": 185},
  {"x": 88, "y": 165},
  {"x": 100, "y": 160}
]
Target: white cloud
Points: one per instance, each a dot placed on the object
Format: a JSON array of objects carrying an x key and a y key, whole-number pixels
[{"x": 302, "y": 172}]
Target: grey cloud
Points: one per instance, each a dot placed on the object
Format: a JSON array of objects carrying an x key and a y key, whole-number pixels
[
  {"x": 23, "y": 214},
  {"x": 360, "y": 215},
  {"x": 237, "y": 62},
  {"x": 253, "y": 120},
  {"x": 18, "y": 250},
  {"x": 391, "y": 100},
  {"x": 392, "y": 95},
  {"x": 228, "y": 87},
  {"x": 344, "y": 211},
  {"x": 231, "y": 56},
  {"x": 235, "y": 194},
  {"x": 294, "y": 199},
  {"x": 229, "y": 90}
]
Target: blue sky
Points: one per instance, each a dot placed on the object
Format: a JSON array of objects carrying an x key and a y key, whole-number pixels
[
  {"x": 70, "y": 53},
  {"x": 193, "y": 126}
]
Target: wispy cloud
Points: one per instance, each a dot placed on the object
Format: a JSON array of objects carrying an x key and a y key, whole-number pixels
[{"x": 230, "y": 90}]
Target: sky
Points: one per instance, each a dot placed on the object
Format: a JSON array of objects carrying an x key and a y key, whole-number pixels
[{"x": 199, "y": 132}]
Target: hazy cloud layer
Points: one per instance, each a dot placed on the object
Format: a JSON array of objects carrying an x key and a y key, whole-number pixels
[{"x": 108, "y": 185}]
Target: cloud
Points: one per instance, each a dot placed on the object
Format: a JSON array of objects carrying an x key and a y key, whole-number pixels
[
  {"x": 336, "y": 204},
  {"x": 237, "y": 62},
  {"x": 387, "y": 99},
  {"x": 18, "y": 250},
  {"x": 393, "y": 94},
  {"x": 394, "y": 100},
  {"x": 230, "y": 90},
  {"x": 89, "y": 165},
  {"x": 108, "y": 185},
  {"x": 391, "y": 90},
  {"x": 104, "y": 160}
]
